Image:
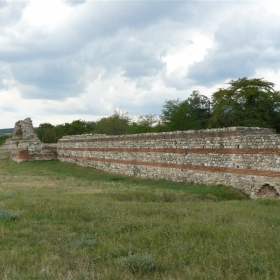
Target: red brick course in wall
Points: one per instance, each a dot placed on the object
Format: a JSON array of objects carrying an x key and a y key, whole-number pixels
[
  {"x": 23, "y": 155},
  {"x": 245, "y": 158},
  {"x": 177, "y": 151},
  {"x": 181, "y": 166}
]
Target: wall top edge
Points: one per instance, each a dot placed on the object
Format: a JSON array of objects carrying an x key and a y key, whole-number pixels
[{"x": 240, "y": 130}]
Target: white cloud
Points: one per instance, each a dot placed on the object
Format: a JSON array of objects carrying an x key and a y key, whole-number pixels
[
  {"x": 65, "y": 60},
  {"x": 269, "y": 75},
  {"x": 46, "y": 14},
  {"x": 244, "y": 42},
  {"x": 10, "y": 13}
]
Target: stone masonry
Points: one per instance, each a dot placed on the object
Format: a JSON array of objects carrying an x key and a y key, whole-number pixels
[
  {"x": 247, "y": 158},
  {"x": 24, "y": 130},
  {"x": 25, "y": 144},
  {"x": 242, "y": 157}
]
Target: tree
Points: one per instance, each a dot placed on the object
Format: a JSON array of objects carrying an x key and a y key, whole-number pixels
[
  {"x": 173, "y": 114},
  {"x": 3, "y": 139},
  {"x": 74, "y": 128},
  {"x": 77, "y": 127},
  {"x": 89, "y": 125},
  {"x": 199, "y": 110},
  {"x": 246, "y": 102},
  {"x": 192, "y": 113},
  {"x": 144, "y": 124},
  {"x": 46, "y": 132},
  {"x": 116, "y": 124}
]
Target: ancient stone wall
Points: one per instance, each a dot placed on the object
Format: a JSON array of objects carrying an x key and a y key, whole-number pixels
[
  {"x": 24, "y": 130},
  {"x": 21, "y": 150},
  {"x": 245, "y": 158},
  {"x": 25, "y": 144}
]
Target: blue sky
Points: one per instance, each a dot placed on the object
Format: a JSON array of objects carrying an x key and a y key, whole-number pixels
[{"x": 67, "y": 60}]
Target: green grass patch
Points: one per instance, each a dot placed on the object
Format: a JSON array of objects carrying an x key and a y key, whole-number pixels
[{"x": 81, "y": 223}]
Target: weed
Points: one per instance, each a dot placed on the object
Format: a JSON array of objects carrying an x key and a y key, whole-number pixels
[
  {"x": 137, "y": 263},
  {"x": 257, "y": 267},
  {"x": 85, "y": 240},
  {"x": 7, "y": 216},
  {"x": 5, "y": 196}
]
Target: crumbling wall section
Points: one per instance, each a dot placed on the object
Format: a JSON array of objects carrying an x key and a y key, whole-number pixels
[
  {"x": 25, "y": 145},
  {"x": 24, "y": 130}
]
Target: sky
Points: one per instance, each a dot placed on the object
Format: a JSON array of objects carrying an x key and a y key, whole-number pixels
[{"x": 76, "y": 60}]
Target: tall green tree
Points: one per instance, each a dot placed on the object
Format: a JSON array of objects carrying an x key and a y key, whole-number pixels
[
  {"x": 74, "y": 128},
  {"x": 49, "y": 133},
  {"x": 46, "y": 132},
  {"x": 89, "y": 125},
  {"x": 192, "y": 113},
  {"x": 246, "y": 102},
  {"x": 144, "y": 124},
  {"x": 200, "y": 110},
  {"x": 116, "y": 124}
]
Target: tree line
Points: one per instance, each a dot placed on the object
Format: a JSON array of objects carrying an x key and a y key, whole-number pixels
[
  {"x": 3, "y": 138},
  {"x": 245, "y": 102}
]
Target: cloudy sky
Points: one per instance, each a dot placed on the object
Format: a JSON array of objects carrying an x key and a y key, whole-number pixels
[{"x": 66, "y": 60}]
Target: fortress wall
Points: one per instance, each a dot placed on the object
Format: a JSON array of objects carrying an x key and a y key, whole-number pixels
[
  {"x": 21, "y": 150},
  {"x": 25, "y": 144},
  {"x": 245, "y": 158}
]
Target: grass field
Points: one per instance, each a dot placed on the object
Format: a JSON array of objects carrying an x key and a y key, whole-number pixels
[{"x": 63, "y": 221}]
